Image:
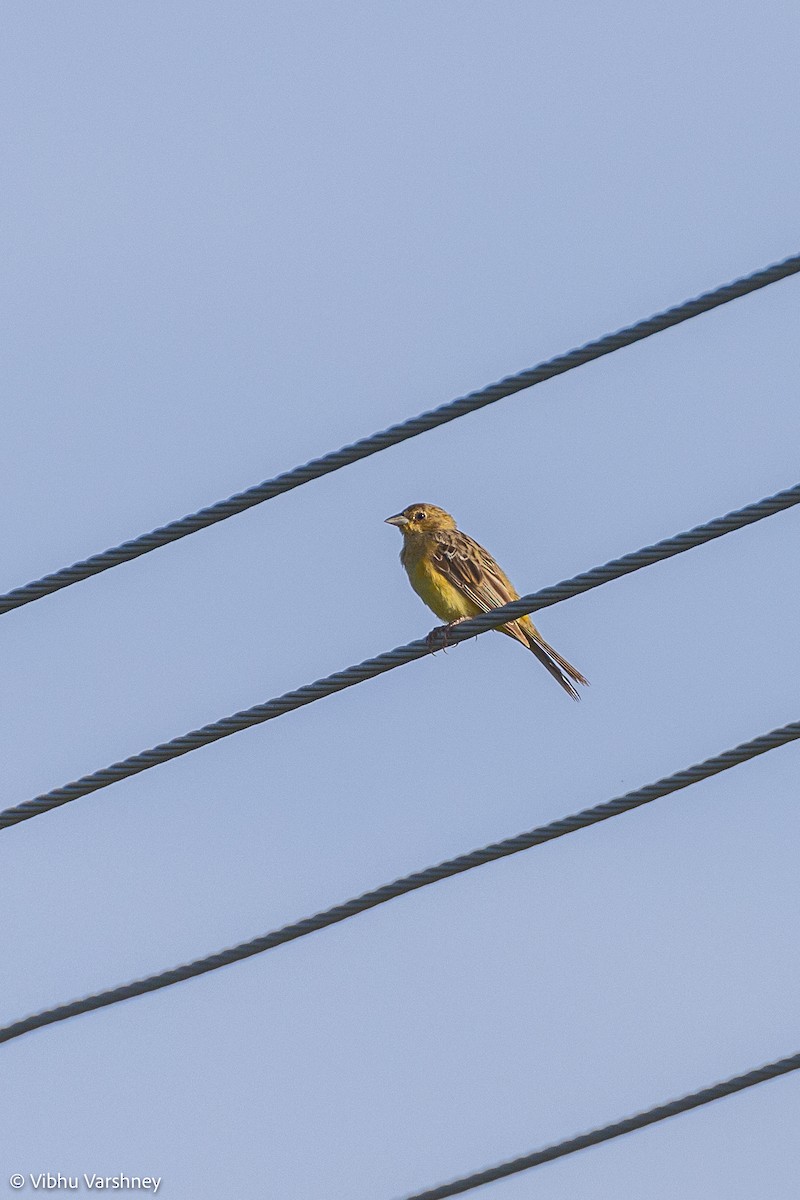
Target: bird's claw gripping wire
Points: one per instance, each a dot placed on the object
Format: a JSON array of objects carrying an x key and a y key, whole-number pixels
[{"x": 438, "y": 638}]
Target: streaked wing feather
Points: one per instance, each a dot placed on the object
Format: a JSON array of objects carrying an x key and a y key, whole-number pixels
[{"x": 472, "y": 569}]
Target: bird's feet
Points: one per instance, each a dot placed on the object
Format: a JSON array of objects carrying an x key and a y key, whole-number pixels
[{"x": 438, "y": 638}]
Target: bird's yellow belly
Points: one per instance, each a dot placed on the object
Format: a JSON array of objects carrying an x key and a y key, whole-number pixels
[{"x": 441, "y": 597}]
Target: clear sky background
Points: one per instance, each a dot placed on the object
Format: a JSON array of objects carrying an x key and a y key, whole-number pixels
[{"x": 236, "y": 236}]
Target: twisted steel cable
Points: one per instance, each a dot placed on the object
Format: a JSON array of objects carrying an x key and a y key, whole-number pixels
[
  {"x": 560, "y": 1149},
  {"x": 371, "y": 667},
  {"x": 367, "y": 446},
  {"x": 410, "y": 883}
]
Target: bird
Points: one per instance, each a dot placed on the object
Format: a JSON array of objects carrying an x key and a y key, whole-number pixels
[{"x": 458, "y": 579}]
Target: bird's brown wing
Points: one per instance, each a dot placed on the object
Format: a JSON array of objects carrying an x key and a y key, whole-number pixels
[{"x": 474, "y": 572}]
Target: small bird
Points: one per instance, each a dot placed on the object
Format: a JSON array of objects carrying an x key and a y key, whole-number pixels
[{"x": 458, "y": 579}]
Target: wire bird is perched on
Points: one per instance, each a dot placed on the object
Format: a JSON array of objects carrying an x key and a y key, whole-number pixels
[{"x": 458, "y": 579}]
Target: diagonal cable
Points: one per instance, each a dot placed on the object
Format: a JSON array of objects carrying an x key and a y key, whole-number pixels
[
  {"x": 410, "y": 883},
  {"x": 395, "y": 434},
  {"x": 559, "y": 1149},
  {"x": 371, "y": 667}
]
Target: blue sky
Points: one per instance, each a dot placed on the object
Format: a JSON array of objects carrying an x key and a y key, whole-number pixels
[{"x": 236, "y": 237}]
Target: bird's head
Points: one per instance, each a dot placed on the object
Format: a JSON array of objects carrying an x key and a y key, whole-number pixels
[{"x": 421, "y": 518}]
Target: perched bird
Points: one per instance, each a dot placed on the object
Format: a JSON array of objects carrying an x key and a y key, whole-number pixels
[{"x": 458, "y": 579}]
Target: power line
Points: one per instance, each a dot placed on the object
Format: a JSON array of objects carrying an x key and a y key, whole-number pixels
[
  {"x": 410, "y": 883},
  {"x": 392, "y": 436},
  {"x": 650, "y": 1117},
  {"x": 371, "y": 667}
]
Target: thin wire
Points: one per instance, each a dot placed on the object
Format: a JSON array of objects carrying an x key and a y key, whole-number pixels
[
  {"x": 395, "y": 434},
  {"x": 410, "y": 883},
  {"x": 652, "y": 1115},
  {"x": 371, "y": 667}
]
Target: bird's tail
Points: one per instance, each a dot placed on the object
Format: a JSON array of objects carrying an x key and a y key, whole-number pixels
[{"x": 561, "y": 670}]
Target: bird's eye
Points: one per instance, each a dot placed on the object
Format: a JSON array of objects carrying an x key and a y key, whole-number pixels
[{"x": 419, "y": 515}]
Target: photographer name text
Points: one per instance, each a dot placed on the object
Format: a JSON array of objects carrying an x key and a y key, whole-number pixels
[{"x": 45, "y": 1182}]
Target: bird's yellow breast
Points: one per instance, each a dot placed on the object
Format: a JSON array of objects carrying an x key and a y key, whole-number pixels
[{"x": 438, "y": 593}]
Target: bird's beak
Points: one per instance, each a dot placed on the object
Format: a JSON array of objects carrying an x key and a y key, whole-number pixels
[{"x": 399, "y": 520}]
